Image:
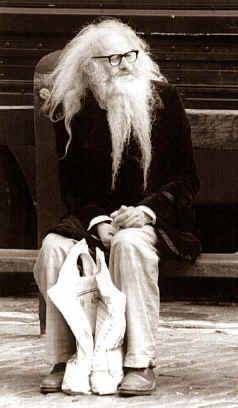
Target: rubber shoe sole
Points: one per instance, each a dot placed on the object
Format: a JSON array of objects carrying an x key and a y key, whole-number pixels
[{"x": 131, "y": 393}]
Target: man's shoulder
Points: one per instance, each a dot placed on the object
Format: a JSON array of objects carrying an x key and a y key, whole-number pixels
[
  {"x": 165, "y": 88},
  {"x": 168, "y": 93}
]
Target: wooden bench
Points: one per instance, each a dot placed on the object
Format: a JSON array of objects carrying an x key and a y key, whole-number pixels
[
  {"x": 206, "y": 265},
  {"x": 17, "y": 260}
]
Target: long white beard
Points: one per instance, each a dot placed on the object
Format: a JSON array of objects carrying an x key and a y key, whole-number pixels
[{"x": 127, "y": 100}]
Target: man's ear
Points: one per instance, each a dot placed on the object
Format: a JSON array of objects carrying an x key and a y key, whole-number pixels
[{"x": 44, "y": 93}]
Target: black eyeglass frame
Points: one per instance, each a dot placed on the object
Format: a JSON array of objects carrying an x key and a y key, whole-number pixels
[{"x": 118, "y": 55}]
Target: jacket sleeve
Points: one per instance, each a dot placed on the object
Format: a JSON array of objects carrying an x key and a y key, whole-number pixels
[
  {"x": 77, "y": 205},
  {"x": 173, "y": 202}
]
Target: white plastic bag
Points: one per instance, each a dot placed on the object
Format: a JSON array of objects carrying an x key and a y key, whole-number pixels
[{"x": 95, "y": 311}]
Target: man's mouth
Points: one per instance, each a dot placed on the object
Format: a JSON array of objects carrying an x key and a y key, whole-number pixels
[{"x": 126, "y": 75}]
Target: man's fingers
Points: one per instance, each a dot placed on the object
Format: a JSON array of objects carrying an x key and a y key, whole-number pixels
[
  {"x": 132, "y": 221},
  {"x": 121, "y": 217},
  {"x": 116, "y": 212},
  {"x": 129, "y": 217}
]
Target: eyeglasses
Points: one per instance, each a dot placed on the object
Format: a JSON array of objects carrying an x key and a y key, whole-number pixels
[{"x": 116, "y": 59}]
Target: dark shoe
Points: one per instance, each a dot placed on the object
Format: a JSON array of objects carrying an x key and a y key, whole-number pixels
[
  {"x": 53, "y": 381},
  {"x": 138, "y": 381}
]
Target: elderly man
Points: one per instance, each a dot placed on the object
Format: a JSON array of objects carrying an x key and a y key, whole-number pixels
[{"x": 128, "y": 180}]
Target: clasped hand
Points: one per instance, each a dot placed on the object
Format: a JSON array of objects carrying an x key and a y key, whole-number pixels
[
  {"x": 125, "y": 217},
  {"x": 128, "y": 217}
]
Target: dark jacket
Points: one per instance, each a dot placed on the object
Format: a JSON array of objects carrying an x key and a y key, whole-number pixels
[{"x": 85, "y": 175}]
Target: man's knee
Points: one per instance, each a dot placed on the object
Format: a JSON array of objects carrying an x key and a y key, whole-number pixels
[
  {"x": 134, "y": 238},
  {"x": 134, "y": 242},
  {"x": 50, "y": 242},
  {"x": 53, "y": 251},
  {"x": 124, "y": 237},
  {"x": 54, "y": 242}
]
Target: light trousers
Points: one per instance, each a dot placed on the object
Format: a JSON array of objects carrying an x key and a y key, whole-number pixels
[{"x": 134, "y": 268}]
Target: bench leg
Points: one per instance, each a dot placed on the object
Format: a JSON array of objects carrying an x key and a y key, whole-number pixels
[{"x": 42, "y": 313}]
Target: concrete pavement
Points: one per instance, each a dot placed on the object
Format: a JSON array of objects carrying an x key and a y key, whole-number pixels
[{"x": 197, "y": 359}]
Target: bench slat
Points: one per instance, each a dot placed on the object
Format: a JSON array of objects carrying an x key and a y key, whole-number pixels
[
  {"x": 17, "y": 260},
  {"x": 207, "y": 266}
]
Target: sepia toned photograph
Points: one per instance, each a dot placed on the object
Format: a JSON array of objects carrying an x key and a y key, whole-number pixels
[{"x": 119, "y": 204}]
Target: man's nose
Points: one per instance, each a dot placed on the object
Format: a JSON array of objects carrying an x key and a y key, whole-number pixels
[{"x": 125, "y": 65}]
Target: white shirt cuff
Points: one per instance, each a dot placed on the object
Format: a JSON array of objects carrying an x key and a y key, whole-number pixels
[
  {"x": 148, "y": 212},
  {"x": 97, "y": 220}
]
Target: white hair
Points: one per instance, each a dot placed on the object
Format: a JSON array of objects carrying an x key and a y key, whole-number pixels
[{"x": 75, "y": 72}]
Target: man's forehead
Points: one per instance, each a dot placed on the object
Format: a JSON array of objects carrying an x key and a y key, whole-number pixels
[{"x": 115, "y": 43}]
